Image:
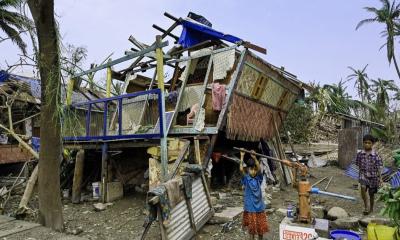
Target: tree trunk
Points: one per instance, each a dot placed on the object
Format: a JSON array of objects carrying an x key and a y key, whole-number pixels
[
  {"x": 50, "y": 208},
  {"x": 396, "y": 66}
]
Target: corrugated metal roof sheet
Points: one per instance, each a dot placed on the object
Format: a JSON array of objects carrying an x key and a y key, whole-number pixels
[
  {"x": 353, "y": 172},
  {"x": 34, "y": 84},
  {"x": 35, "y": 88}
]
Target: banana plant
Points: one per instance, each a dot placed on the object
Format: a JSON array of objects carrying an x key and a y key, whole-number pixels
[{"x": 391, "y": 198}]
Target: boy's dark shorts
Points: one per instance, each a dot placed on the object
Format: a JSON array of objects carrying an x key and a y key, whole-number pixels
[{"x": 371, "y": 190}]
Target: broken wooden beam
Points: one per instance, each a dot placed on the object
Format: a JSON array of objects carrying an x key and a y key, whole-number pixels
[
  {"x": 165, "y": 31},
  {"x": 255, "y": 47},
  {"x": 138, "y": 44},
  {"x": 179, "y": 159},
  {"x": 171, "y": 17},
  {"x": 23, "y": 204}
]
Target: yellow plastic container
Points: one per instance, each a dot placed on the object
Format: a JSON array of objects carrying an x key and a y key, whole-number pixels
[{"x": 380, "y": 232}]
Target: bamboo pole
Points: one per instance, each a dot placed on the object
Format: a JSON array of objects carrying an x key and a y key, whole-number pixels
[
  {"x": 327, "y": 185},
  {"x": 315, "y": 184}
]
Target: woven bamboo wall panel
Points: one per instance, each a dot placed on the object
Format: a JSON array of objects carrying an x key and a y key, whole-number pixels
[
  {"x": 272, "y": 93},
  {"x": 267, "y": 69},
  {"x": 288, "y": 103},
  {"x": 247, "y": 79},
  {"x": 248, "y": 120}
]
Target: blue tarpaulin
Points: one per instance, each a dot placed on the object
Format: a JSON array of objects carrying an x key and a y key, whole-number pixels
[
  {"x": 36, "y": 143},
  {"x": 194, "y": 33},
  {"x": 3, "y": 76}
]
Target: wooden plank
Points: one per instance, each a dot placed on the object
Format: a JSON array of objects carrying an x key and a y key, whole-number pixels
[
  {"x": 348, "y": 145},
  {"x": 179, "y": 159},
  {"x": 231, "y": 88},
  {"x": 255, "y": 47},
  {"x": 104, "y": 171},
  {"x": 112, "y": 144},
  {"x": 191, "y": 130},
  {"x": 175, "y": 77},
  {"x": 197, "y": 151},
  {"x": 78, "y": 176},
  {"x": 204, "y": 88},
  {"x": 178, "y": 101},
  {"x": 16, "y": 226}
]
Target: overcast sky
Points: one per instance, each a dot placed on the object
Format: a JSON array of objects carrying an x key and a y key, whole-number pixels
[{"x": 315, "y": 40}]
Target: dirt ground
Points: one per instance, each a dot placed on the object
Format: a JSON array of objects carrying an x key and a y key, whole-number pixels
[{"x": 124, "y": 219}]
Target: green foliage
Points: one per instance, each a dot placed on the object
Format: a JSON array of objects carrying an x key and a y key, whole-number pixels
[
  {"x": 360, "y": 78},
  {"x": 73, "y": 122},
  {"x": 388, "y": 15},
  {"x": 389, "y": 133},
  {"x": 298, "y": 122},
  {"x": 13, "y": 23},
  {"x": 391, "y": 198},
  {"x": 382, "y": 89},
  {"x": 333, "y": 99}
]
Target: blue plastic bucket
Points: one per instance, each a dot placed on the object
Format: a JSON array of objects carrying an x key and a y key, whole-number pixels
[{"x": 344, "y": 234}]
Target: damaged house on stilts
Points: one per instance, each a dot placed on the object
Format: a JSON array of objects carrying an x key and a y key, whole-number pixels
[{"x": 180, "y": 111}]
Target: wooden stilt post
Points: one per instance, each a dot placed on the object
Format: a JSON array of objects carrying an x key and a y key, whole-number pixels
[
  {"x": 104, "y": 171},
  {"x": 78, "y": 176},
  {"x": 108, "y": 83},
  {"x": 160, "y": 81}
]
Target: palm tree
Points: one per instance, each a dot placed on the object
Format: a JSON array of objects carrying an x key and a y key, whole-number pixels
[
  {"x": 334, "y": 98},
  {"x": 360, "y": 78},
  {"x": 382, "y": 88},
  {"x": 13, "y": 23},
  {"x": 342, "y": 101},
  {"x": 388, "y": 14}
]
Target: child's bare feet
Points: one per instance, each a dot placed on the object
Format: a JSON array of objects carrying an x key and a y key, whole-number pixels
[{"x": 366, "y": 211}]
